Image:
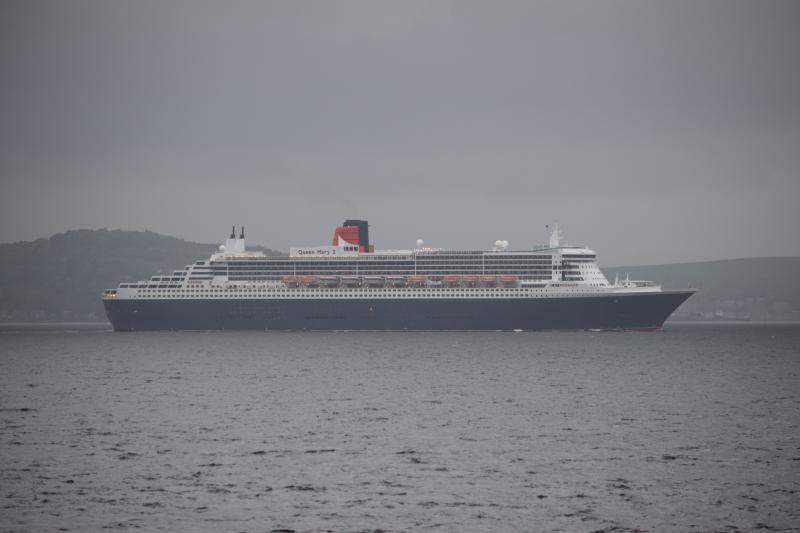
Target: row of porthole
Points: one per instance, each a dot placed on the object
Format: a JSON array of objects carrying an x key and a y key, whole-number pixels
[
  {"x": 236, "y": 292},
  {"x": 328, "y": 289},
  {"x": 331, "y": 296},
  {"x": 352, "y": 296}
]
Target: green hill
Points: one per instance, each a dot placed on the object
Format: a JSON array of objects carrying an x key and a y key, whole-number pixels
[
  {"x": 61, "y": 278},
  {"x": 758, "y": 288}
]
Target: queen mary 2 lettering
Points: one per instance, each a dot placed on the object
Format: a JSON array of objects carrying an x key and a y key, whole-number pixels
[{"x": 351, "y": 286}]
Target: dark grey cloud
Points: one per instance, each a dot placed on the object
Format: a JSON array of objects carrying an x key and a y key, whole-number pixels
[{"x": 653, "y": 131}]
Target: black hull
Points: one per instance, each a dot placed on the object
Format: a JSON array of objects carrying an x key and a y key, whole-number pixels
[{"x": 612, "y": 312}]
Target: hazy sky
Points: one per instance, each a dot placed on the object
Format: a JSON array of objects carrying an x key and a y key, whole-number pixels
[{"x": 651, "y": 131}]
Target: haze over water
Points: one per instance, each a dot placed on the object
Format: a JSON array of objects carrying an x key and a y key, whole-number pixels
[{"x": 696, "y": 428}]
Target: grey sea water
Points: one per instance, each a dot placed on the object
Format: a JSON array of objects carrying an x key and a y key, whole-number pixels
[{"x": 695, "y": 428}]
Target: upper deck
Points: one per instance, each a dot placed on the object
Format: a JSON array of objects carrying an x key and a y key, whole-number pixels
[{"x": 355, "y": 263}]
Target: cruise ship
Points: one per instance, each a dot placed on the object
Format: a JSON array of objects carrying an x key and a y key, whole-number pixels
[{"x": 349, "y": 285}]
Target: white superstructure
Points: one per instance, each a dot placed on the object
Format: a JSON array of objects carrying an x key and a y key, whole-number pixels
[{"x": 349, "y": 270}]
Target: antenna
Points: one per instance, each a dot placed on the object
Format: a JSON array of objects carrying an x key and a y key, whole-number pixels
[
  {"x": 242, "y": 235},
  {"x": 233, "y": 232}
]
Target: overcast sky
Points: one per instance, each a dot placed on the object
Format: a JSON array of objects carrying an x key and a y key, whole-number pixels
[{"x": 651, "y": 131}]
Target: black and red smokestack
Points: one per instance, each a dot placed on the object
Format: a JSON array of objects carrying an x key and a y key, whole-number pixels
[{"x": 355, "y": 232}]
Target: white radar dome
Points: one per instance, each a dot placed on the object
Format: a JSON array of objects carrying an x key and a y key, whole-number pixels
[
  {"x": 420, "y": 242},
  {"x": 498, "y": 244},
  {"x": 221, "y": 247},
  {"x": 505, "y": 245}
]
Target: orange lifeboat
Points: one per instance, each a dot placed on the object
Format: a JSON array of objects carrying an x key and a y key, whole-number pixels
[
  {"x": 452, "y": 281},
  {"x": 310, "y": 281}
]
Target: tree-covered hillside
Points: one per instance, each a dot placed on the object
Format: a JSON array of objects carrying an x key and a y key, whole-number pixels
[
  {"x": 758, "y": 288},
  {"x": 62, "y": 278}
]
